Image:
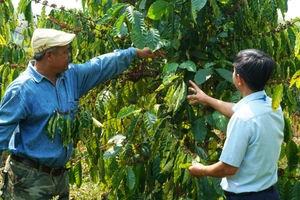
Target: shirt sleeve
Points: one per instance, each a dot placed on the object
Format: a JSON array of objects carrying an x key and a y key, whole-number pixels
[
  {"x": 12, "y": 111},
  {"x": 238, "y": 137},
  {"x": 102, "y": 68}
]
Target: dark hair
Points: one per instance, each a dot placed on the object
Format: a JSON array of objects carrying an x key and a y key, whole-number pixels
[
  {"x": 39, "y": 56},
  {"x": 255, "y": 67}
]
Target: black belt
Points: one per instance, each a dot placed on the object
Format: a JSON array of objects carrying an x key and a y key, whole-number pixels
[
  {"x": 231, "y": 194},
  {"x": 33, "y": 164}
]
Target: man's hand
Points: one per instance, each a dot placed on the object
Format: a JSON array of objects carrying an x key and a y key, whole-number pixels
[
  {"x": 201, "y": 97},
  {"x": 198, "y": 97},
  {"x": 197, "y": 170},
  {"x": 147, "y": 53}
]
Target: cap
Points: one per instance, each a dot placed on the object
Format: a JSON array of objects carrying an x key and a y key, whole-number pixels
[{"x": 43, "y": 39}]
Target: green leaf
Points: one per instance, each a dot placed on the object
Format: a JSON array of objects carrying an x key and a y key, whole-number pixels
[
  {"x": 138, "y": 38},
  {"x": 71, "y": 176},
  {"x": 295, "y": 79},
  {"x": 286, "y": 191},
  {"x": 119, "y": 25},
  {"x": 142, "y": 4},
  {"x": 138, "y": 33},
  {"x": 277, "y": 97},
  {"x": 111, "y": 41},
  {"x": 223, "y": 35},
  {"x": 175, "y": 96},
  {"x": 153, "y": 39},
  {"x": 292, "y": 155},
  {"x": 216, "y": 184},
  {"x": 288, "y": 131},
  {"x": 130, "y": 178},
  {"x": 130, "y": 13},
  {"x": 199, "y": 130},
  {"x": 220, "y": 120},
  {"x": 124, "y": 112},
  {"x": 202, "y": 75},
  {"x": 167, "y": 168},
  {"x": 189, "y": 65},
  {"x": 146, "y": 150},
  {"x": 21, "y": 6},
  {"x": 179, "y": 95},
  {"x": 2, "y": 40},
  {"x": 117, "y": 140},
  {"x": 112, "y": 152},
  {"x": 291, "y": 36},
  {"x": 28, "y": 13},
  {"x": 156, "y": 167},
  {"x": 150, "y": 120},
  {"x": 201, "y": 153},
  {"x": 282, "y": 5},
  {"x": 209, "y": 65},
  {"x": 167, "y": 82},
  {"x": 194, "y": 14},
  {"x": 185, "y": 165},
  {"x": 170, "y": 67},
  {"x": 115, "y": 9},
  {"x": 224, "y": 63},
  {"x": 103, "y": 19},
  {"x": 296, "y": 191},
  {"x": 139, "y": 25},
  {"x": 226, "y": 74},
  {"x": 117, "y": 177},
  {"x": 133, "y": 125},
  {"x": 157, "y": 10},
  {"x": 198, "y": 4},
  {"x": 78, "y": 174}
]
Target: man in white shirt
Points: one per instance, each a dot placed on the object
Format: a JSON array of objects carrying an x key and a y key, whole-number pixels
[{"x": 248, "y": 163}]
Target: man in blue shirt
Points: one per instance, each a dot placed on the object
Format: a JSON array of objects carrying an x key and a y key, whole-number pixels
[
  {"x": 35, "y": 169},
  {"x": 248, "y": 163}
]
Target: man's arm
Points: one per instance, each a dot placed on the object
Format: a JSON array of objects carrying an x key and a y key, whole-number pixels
[
  {"x": 217, "y": 170},
  {"x": 201, "y": 97},
  {"x": 101, "y": 68}
]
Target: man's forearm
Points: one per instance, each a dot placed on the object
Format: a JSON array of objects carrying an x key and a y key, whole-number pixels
[
  {"x": 217, "y": 170},
  {"x": 223, "y": 107}
]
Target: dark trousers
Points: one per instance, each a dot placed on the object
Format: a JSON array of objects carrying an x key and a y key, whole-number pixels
[
  {"x": 268, "y": 194},
  {"x": 21, "y": 182}
]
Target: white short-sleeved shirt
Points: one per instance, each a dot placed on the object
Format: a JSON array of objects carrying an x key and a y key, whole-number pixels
[{"x": 253, "y": 143}]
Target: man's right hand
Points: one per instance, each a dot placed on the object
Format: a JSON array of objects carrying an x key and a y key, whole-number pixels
[
  {"x": 201, "y": 97},
  {"x": 198, "y": 97}
]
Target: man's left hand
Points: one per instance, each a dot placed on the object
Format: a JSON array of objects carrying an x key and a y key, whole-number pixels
[
  {"x": 197, "y": 170},
  {"x": 147, "y": 53}
]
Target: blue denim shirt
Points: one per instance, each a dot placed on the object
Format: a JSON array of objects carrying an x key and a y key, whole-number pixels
[{"x": 31, "y": 99}]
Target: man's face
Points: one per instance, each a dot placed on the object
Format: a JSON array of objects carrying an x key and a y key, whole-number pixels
[{"x": 61, "y": 58}]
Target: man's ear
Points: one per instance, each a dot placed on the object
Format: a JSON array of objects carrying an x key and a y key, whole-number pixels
[
  {"x": 240, "y": 80},
  {"x": 49, "y": 55}
]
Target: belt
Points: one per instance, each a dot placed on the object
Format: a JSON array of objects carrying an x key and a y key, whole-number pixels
[
  {"x": 33, "y": 164},
  {"x": 231, "y": 194}
]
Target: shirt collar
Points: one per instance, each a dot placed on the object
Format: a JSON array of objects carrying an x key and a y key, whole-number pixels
[
  {"x": 251, "y": 97},
  {"x": 37, "y": 77}
]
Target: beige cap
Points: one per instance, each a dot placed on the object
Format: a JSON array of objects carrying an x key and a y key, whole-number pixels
[{"x": 43, "y": 39}]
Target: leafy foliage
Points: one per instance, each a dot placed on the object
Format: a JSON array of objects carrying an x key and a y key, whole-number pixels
[{"x": 139, "y": 130}]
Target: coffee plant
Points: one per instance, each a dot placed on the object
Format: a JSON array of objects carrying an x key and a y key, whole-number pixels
[{"x": 139, "y": 131}]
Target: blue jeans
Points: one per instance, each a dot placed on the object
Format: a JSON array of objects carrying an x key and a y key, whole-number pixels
[{"x": 268, "y": 194}]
